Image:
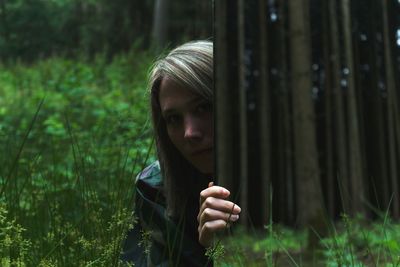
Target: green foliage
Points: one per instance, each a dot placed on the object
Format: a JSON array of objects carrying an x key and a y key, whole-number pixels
[
  {"x": 216, "y": 252},
  {"x": 73, "y": 137},
  {"x": 35, "y": 29},
  {"x": 353, "y": 242},
  {"x": 360, "y": 242},
  {"x": 24, "y": 27},
  {"x": 14, "y": 248},
  {"x": 280, "y": 238},
  {"x": 145, "y": 241},
  {"x": 32, "y": 30}
]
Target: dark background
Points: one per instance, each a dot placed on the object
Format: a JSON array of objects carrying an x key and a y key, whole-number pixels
[{"x": 32, "y": 29}]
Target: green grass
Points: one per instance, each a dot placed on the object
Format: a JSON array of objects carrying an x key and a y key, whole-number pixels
[
  {"x": 352, "y": 242},
  {"x": 73, "y": 137}
]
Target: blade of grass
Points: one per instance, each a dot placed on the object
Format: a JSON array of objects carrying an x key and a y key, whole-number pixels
[{"x": 16, "y": 159}]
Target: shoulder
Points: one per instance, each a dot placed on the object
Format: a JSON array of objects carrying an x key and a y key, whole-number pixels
[
  {"x": 149, "y": 183},
  {"x": 151, "y": 175}
]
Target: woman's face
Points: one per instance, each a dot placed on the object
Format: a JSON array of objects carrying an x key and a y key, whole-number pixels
[{"x": 189, "y": 121}]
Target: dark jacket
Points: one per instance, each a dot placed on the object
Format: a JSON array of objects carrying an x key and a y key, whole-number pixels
[{"x": 156, "y": 239}]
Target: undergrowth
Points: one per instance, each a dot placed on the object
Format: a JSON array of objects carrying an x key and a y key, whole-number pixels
[
  {"x": 73, "y": 135},
  {"x": 352, "y": 242}
]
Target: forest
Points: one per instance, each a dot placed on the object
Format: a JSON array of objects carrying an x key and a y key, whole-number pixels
[
  {"x": 306, "y": 115},
  {"x": 321, "y": 96}
]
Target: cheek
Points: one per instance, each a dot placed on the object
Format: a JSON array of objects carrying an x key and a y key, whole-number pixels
[
  {"x": 175, "y": 138},
  {"x": 209, "y": 125}
]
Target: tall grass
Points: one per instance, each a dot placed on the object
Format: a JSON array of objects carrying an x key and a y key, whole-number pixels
[
  {"x": 73, "y": 135},
  {"x": 353, "y": 242}
]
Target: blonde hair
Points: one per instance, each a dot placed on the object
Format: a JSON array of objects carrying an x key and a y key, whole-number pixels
[{"x": 190, "y": 65}]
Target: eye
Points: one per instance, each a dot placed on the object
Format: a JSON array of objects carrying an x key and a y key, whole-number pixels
[{"x": 172, "y": 119}]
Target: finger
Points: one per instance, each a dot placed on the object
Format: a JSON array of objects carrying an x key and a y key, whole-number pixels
[
  {"x": 220, "y": 204},
  {"x": 212, "y": 215},
  {"x": 214, "y": 191},
  {"x": 208, "y": 230}
]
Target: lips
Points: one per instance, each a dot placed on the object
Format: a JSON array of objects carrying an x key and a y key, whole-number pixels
[{"x": 202, "y": 151}]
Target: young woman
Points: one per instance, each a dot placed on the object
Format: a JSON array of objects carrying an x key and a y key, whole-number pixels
[{"x": 178, "y": 207}]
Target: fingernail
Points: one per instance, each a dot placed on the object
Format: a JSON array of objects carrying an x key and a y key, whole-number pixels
[
  {"x": 234, "y": 217},
  {"x": 239, "y": 209}
]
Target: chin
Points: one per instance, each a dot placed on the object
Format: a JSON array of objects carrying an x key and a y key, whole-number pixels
[
  {"x": 205, "y": 169},
  {"x": 204, "y": 165}
]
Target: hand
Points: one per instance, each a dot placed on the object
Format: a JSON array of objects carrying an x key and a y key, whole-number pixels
[{"x": 215, "y": 213}]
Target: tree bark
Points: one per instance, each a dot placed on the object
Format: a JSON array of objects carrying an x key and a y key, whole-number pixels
[
  {"x": 160, "y": 23},
  {"x": 329, "y": 147},
  {"x": 392, "y": 111},
  {"x": 309, "y": 196},
  {"x": 4, "y": 20},
  {"x": 264, "y": 116},
  {"x": 377, "y": 119},
  {"x": 341, "y": 153},
  {"x": 285, "y": 189},
  {"x": 356, "y": 183}
]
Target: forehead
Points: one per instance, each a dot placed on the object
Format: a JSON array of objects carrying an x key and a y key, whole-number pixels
[{"x": 173, "y": 95}]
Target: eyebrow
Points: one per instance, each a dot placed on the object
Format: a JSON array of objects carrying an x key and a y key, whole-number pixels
[{"x": 194, "y": 100}]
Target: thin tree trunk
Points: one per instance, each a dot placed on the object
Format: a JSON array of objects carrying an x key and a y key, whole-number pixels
[
  {"x": 355, "y": 160},
  {"x": 160, "y": 23},
  {"x": 378, "y": 173},
  {"x": 4, "y": 20},
  {"x": 330, "y": 174},
  {"x": 265, "y": 120},
  {"x": 287, "y": 180},
  {"x": 309, "y": 196},
  {"x": 224, "y": 109},
  {"x": 242, "y": 114},
  {"x": 392, "y": 111},
  {"x": 340, "y": 147}
]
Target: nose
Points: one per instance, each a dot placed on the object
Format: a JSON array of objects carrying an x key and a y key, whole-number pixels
[{"x": 192, "y": 129}]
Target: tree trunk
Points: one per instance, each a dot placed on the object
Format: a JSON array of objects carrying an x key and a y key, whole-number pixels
[
  {"x": 329, "y": 151},
  {"x": 377, "y": 119},
  {"x": 264, "y": 115},
  {"x": 356, "y": 183},
  {"x": 4, "y": 21},
  {"x": 226, "y": 99},
  {"x": 160, "y": 23},
  {"x": 309, "y": 196},
  {"x": 286, "y": 203},
  {"x": 392, "y": 111}
]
